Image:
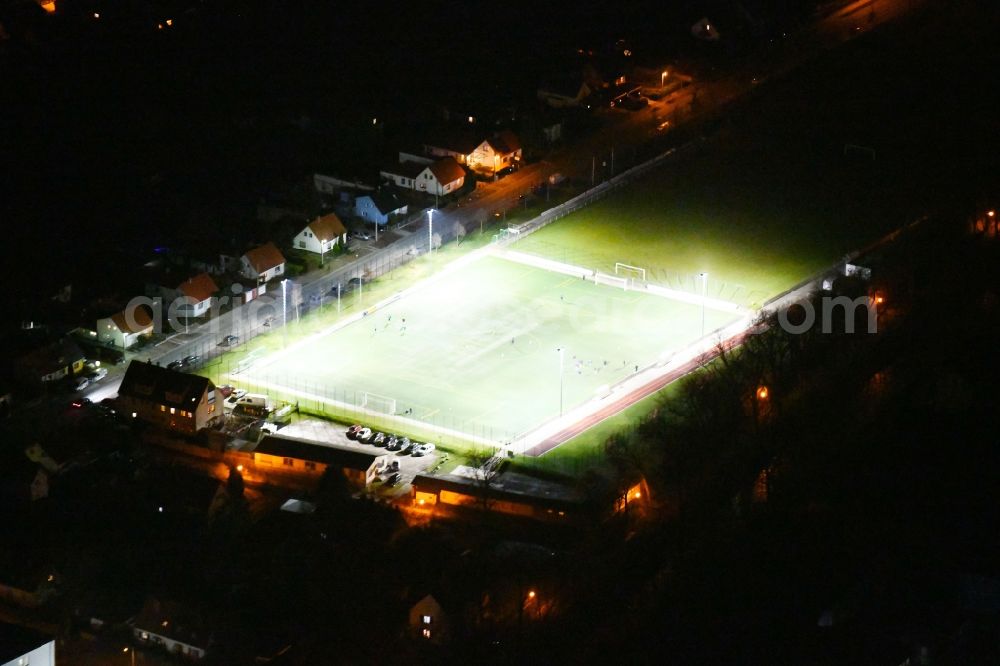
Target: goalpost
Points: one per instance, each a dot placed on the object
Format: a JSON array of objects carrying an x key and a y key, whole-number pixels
[
  {"x": 611, "y": 280},
  {"x": 629, "y": 269},
  {"x": 378, "y": 403}
]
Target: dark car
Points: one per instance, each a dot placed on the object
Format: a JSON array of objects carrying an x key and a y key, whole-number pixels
[
  {"x": 352, "y": 432},
  {"x": 379, "y": 439},
  {"x": 506, "y": 171},
  {"x": 632, "y": 102},
  {"x": 392, "y": 480},
  {"x": 191, "y": 360},
  {"x": 175, "y": 365},
  {"x": 392, "y": 443},
  {"x": 230, "y": 340},
  {"x": 404, "y": 446},
  {"x": 354, "y": 282}
]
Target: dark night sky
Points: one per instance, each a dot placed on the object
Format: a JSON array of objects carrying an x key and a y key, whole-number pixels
[{"x": 121, "y": 135}]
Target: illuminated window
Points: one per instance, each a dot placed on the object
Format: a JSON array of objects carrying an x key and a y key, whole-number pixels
[
  {"x": 173, "y": 410},
  {"x": 426, "y": 633},
  {"x": 427, "y": 619},
  {"x": 310, "y": 464},
  {"x": 287, "y": 461},
  {"x": 211, "y": 408},
  {"x": 163, "y": 408}
]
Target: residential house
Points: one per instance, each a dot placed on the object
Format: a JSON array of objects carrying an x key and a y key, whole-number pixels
[
  {"x": 321, "y": 235},
  {"x": 23, "y": 481},
  {"x": 498, "y": 152},
  {"x": 126, "y": 328},
  {"x": 440, "y": 178},
  {"x": 276, "y": 454},
  {"x": 428, "y": 621},
  {"x": 51, "y": 362},
  {"x": 172, "y": 627},
  {"x": 21, "y": 647},
  {"x": 457, "y": 144},
  {"x": 565, "y": 93},
  {"x": 263, "y": 263},
  {"x": 169, "y": 399},
  {"x": 191, "y": 298},
  {"x": 325, "y": 184},
  {"x": 404, "y": 174},
  {"x": 548, "y": 501},
  {"x": 379, "y": 206}
]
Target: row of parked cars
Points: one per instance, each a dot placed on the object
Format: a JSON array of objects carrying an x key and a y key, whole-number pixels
[{"x": 395, "y": 443}]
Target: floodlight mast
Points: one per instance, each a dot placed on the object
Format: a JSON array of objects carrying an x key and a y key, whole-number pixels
[{"x": 430, "y": 230}]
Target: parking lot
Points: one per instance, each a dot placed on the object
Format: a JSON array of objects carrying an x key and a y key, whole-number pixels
[{"x": 325, "y": 432}]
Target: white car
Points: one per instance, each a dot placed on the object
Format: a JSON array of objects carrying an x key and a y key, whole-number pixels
[
  {"x": 97, "y": 374},
  {"x": 233, "y": 398},
  {"x": 80, "y": 383},
  {"x": 421, "y": 450}
]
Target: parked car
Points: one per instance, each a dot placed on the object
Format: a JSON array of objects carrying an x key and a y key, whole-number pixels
[
  {"x": 80, "y": 383},
  {"x": 391, "y": 467},
  {"x": 233, "y": 398},
  {"x": 363, "y": 235},
  {"x": 404, "y": 446},
  {"x": 632, "y": 102},
  {"x": 506, "y": 171},
  {"x": 225, "y": 390},
  {"x": 392, "y": 480},
  {"x": 191, "y": 360},
  {"x": 364, "y": 435},
  {"x": 422, "y": 450},
  {"x": 175, "y": 365},
  {"x": 391, "y": 443},
  {"x": 97, "y": 375},
  {"x": 379, "y": 439},
  {"x": 230, "y": 340},
  {"x": 352, "y": 432}
]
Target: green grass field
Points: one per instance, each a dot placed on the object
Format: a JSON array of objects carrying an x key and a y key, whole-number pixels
[{"x": 478, "y": 351}]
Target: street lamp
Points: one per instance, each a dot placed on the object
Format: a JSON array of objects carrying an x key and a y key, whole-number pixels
[
  {"x": 430, "y": 230},
  {"x": 663, "y": 77},
  {"x": 704, "y": 289},
  {"x": 284, "y": 306},
  {"x": 130, "y": 652},
  {"x": 562, "y": 352}
]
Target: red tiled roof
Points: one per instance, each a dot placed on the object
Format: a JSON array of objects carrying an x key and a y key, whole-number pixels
[
  {"x": 140, "y": 317},
  {"x": 505, "y": 143},
  {"x": 327, "y": 228},
  {"x": 198, "y": 288},
  {"x": 265, "y": 257},
  {"x": 447, "y": 170}
]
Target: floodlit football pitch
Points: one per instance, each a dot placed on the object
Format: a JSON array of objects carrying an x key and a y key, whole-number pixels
[{"x": 485, "y": 352}]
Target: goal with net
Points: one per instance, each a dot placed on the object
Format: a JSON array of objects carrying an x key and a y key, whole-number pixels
[
  {"x": 378, "y": 403},
  {"x": 611, "y": 280},
  {"x": 628, "y": 270}
]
